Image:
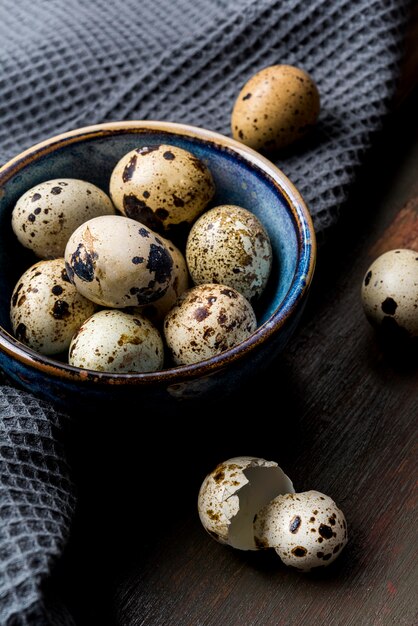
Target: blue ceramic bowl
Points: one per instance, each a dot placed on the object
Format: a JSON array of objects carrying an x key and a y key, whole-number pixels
[{"x": 242, "y": 177}]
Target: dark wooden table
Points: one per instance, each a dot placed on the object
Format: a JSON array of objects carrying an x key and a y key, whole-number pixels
[{"x": 343, "y": 421}]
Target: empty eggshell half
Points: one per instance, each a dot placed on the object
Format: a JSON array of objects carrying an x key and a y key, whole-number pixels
[{"x": 234, "y": 493}]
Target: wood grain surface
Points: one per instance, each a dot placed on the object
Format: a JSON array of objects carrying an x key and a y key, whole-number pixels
[{"x": 337, "y": 410}]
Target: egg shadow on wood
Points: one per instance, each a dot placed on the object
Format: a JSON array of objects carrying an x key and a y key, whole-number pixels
[
  {"x": 268, "y": 563},
  {"x": 391, "y": 351},
  {"x": 399, "y": 352}
]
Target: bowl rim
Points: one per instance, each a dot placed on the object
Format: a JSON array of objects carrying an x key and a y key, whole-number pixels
[{"x": 300, "y": 284}]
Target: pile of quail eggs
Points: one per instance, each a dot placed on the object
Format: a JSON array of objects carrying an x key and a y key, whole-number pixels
[{"x": 112, "y": 289}]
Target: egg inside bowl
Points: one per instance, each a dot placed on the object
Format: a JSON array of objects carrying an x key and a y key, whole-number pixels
[{"x": 242, "y": 177}]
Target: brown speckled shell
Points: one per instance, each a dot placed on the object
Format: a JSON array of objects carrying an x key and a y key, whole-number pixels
[
  {"x": 276, "y": 107},
  {"x": 46, "y": 215},
  {"x": 218, "y": 500},
  {"x": 46, "y": 309},
  {"x": 118, "y": 262},
  {"x": 161, "y": 186},
  {"x": 113, "y": 341},
  {"x": 307, "y": 530},
  {"x": 207, "y": 320},
  {"x": 229, "y": 245},
  {"x": 389, "y": 292},
  {"x": 179, "y": 282}
]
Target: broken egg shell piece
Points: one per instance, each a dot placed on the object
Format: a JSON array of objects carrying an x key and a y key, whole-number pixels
[
  {"x": 307, "y": 530},
  {"x": 232, "y": 495}
]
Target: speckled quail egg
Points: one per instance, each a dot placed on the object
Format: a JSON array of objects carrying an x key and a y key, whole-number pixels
[
  {"x": 114, "y": 341},
  {"x": 307, "y": 529},
  {"x": 233, "y": 493},
  {"x": 46, "y": 309},
  {"x": 118, "y": 262},
  {"x": 161, "y": 186},
  {"x": 229, "y": 245},
  {"x": 276, "y": 107},
  {"x": 390, "y": 292},
  {"x": 46, "y": 215},
  {"x": 156, "y": 311},
  {"x": 205, "y": 321}
]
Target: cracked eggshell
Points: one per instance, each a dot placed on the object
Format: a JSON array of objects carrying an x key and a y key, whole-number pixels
[
  {"x": 46, "y": 215},
  {"x": 179, "y": 282},
  {"x": 307, "y": 529},
  {"x": 233, "y": 493},
  {"x": 229, "y": 245},
  {"x": 389, "y": 292},
  {"x": 276, "y": 107},
  {"x": 118, "y": 262},
  {"x": 114, "y": 341},
  {"x": 161, "y": 186},
  {"x": 205, "y": 321},
  {"x": 46, "y": 309}
]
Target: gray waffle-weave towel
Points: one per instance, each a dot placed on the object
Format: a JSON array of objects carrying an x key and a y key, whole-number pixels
[{"x": 70, "y": 63}]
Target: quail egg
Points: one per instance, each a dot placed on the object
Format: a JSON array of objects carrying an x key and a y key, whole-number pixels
[
  {"x": 229, "y": 245},
  {"x": 205, "y": 321},
  {"x": 118, "y": 262},
  {"x": 276, "y": 107},
  {"x": 233, "y": 493},
  {"x": 161, "y": 186},
  {"x": 113, "y": 341},
  {"x": 390, "y": 292},
  {"x": 307, "y": 529},
  {"x": 156, "y": 311},
  {"x": 46, "y": 215},
  {"x": 46, "y": 309}
]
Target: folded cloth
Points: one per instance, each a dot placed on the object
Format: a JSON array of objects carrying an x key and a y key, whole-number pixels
[
  {"x": 70, "y": 63},
  {"x": 36, "y": 504}
]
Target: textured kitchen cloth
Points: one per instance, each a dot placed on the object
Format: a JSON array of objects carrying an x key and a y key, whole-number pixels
[{"x": 70, "y": 63}]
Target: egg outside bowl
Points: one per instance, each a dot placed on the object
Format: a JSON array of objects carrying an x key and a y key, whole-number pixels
[{"x": 242, "y": 177}]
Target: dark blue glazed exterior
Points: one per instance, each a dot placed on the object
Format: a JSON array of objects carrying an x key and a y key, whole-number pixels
[{"x": 242, "y": 177}]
